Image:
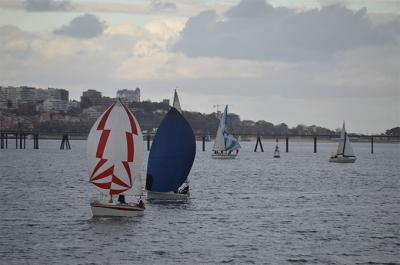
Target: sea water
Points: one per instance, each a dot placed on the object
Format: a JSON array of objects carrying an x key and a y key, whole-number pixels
[{"x": 299, "y": 209}]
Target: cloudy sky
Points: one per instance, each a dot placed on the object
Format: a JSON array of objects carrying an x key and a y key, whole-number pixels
[{"x": 315, "y": 62}]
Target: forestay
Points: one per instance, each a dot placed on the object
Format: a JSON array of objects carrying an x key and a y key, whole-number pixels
[{"x": 115, "y": 150}]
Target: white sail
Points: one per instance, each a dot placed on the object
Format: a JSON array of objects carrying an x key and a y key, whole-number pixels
[
  {"x": 176, "y": 104},
  {"x": 219, "y": 143},
  {"x": 344, "y": 147},
  {"x": 137, "y": 189},
  {"x": 341, "y": 140},
  {"x": 348, "y": 150},
  {"x": 115, "y": 150}
]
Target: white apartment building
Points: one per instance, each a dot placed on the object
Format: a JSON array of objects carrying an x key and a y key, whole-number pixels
[{"x": 129, "y": 96}]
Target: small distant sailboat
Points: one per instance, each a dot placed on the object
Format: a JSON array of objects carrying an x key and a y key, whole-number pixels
[
  {"x": 171, "y": 157},
  {"x": 344, "y": 152},
  {"x": 115, "y": 152},
  {"x": 277, "y": 154},
  {"x": 225, "y": 145}
]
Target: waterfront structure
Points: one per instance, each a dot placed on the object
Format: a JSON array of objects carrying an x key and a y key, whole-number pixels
[
  {"x": 55, "y": 105},
  {"x": 59, "y": 94},
  {"x": 165, "y": 101},
  {"x": 14, "y": 97},
  {"x": 90, "y": 97},
  {"x": 129, "y": 96}
]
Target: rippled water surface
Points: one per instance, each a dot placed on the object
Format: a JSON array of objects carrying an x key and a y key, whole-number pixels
[{"x": 299, "y": 209}]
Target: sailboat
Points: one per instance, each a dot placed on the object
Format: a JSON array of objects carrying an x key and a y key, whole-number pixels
[
  {"x": 225, "y": 145},
  {"x": 171, "y": 157},
  {"x": 276, "y": 152},
  {"x": 344, "y": 152},
  {"x": 115, "y": 152}
]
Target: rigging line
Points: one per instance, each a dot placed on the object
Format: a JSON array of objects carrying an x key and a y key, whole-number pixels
[{"x": 344, "y": 142}]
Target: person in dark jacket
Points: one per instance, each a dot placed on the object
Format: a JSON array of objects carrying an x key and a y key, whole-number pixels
[{"x": 121, "y": 199}]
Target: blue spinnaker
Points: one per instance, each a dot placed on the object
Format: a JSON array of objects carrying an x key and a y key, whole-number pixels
[
  {"x": 231, "y": 143},
  {"x": 171, "y": 155}
]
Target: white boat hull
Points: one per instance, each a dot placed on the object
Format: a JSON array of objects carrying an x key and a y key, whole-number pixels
[
  {"x": 342, "y": 159},
  {"x": 224, "y": 156},
  {"x": 167, "y": 196},
  {"x": 114, "y": 209}
]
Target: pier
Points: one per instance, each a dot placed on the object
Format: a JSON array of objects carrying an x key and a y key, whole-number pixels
[{"x": 21, "y": 138}]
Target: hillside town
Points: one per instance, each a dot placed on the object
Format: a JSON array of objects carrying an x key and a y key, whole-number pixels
[
  {"x": 30, "y": 108},
  {"x": 51, "y": 111}
]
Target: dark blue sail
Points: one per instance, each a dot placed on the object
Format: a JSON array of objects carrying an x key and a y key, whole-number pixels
[{"x": 171, "y": 155}]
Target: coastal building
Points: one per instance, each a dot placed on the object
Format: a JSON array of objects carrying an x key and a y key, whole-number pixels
[
  {"x": 55, "y": 105},
  {"x": 129, "y": 96},
  {"x": 56, "y": 93},
  {"x": 25, "y": 94},
  {"x": 14, "y": 97},
  {"x": 73, "y": 104},
  {"x": 90, "y": 98},
  {"x": 92, "y": 113},
  {"x": 3, "y": 99},
  {"x": 165, "y": 101}
]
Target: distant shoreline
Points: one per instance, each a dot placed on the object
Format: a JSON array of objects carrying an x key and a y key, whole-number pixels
[{"x": 282, "y": 140}]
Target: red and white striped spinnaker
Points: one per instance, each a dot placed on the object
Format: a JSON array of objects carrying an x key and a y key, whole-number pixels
[{"x": 115, "y": 150}]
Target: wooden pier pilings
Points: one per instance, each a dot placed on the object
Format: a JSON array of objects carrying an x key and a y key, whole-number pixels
[
  {"x": 148, "y": 142},
  {"x": 315, "y": 144},
  {"x": 22, "y": 136},
  {"x": 20, "y": 140},
  {"x": 287, "y": 144},
  {"x": 372, "y": 145},
  {"x": 36, "y": 141},
  {"x": 3, "y": 140},
  {"x": 65, "y": 143},
  {"x": 257, "y": 143}
]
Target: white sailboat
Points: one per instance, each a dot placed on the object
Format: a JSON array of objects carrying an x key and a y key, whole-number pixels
[
  {"x": 345, "y": 153},
  {"x": 225, "y": 145},
  {"x": 276, "y": 152},
  {"x": 115, "y": 152}
]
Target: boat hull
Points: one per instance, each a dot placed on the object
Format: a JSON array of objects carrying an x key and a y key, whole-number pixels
[
  {"x": 224, "y": 156},
  {"x": 167, "y": 196},
  {"x": 341, "y": 159},
  {"x": 113, "y": 209}
]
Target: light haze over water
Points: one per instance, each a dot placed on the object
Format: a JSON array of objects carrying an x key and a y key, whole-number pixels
[{"x": 298, "y": 209}]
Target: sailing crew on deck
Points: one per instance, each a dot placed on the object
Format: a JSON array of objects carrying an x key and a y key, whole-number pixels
[
  {"x": 141, "y": 204},
  {"x": 185, "y": 190},
  {"x": 121, "y": 199}
]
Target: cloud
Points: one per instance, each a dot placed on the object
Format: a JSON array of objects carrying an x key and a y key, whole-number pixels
[
  {"x": 158, "y": 5},
  {"x": 47, "y": 5},
  {"x": 85, "y": 26},
  {"x": 359, "y": 82},
  {"x": 255, "y": 30}
]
